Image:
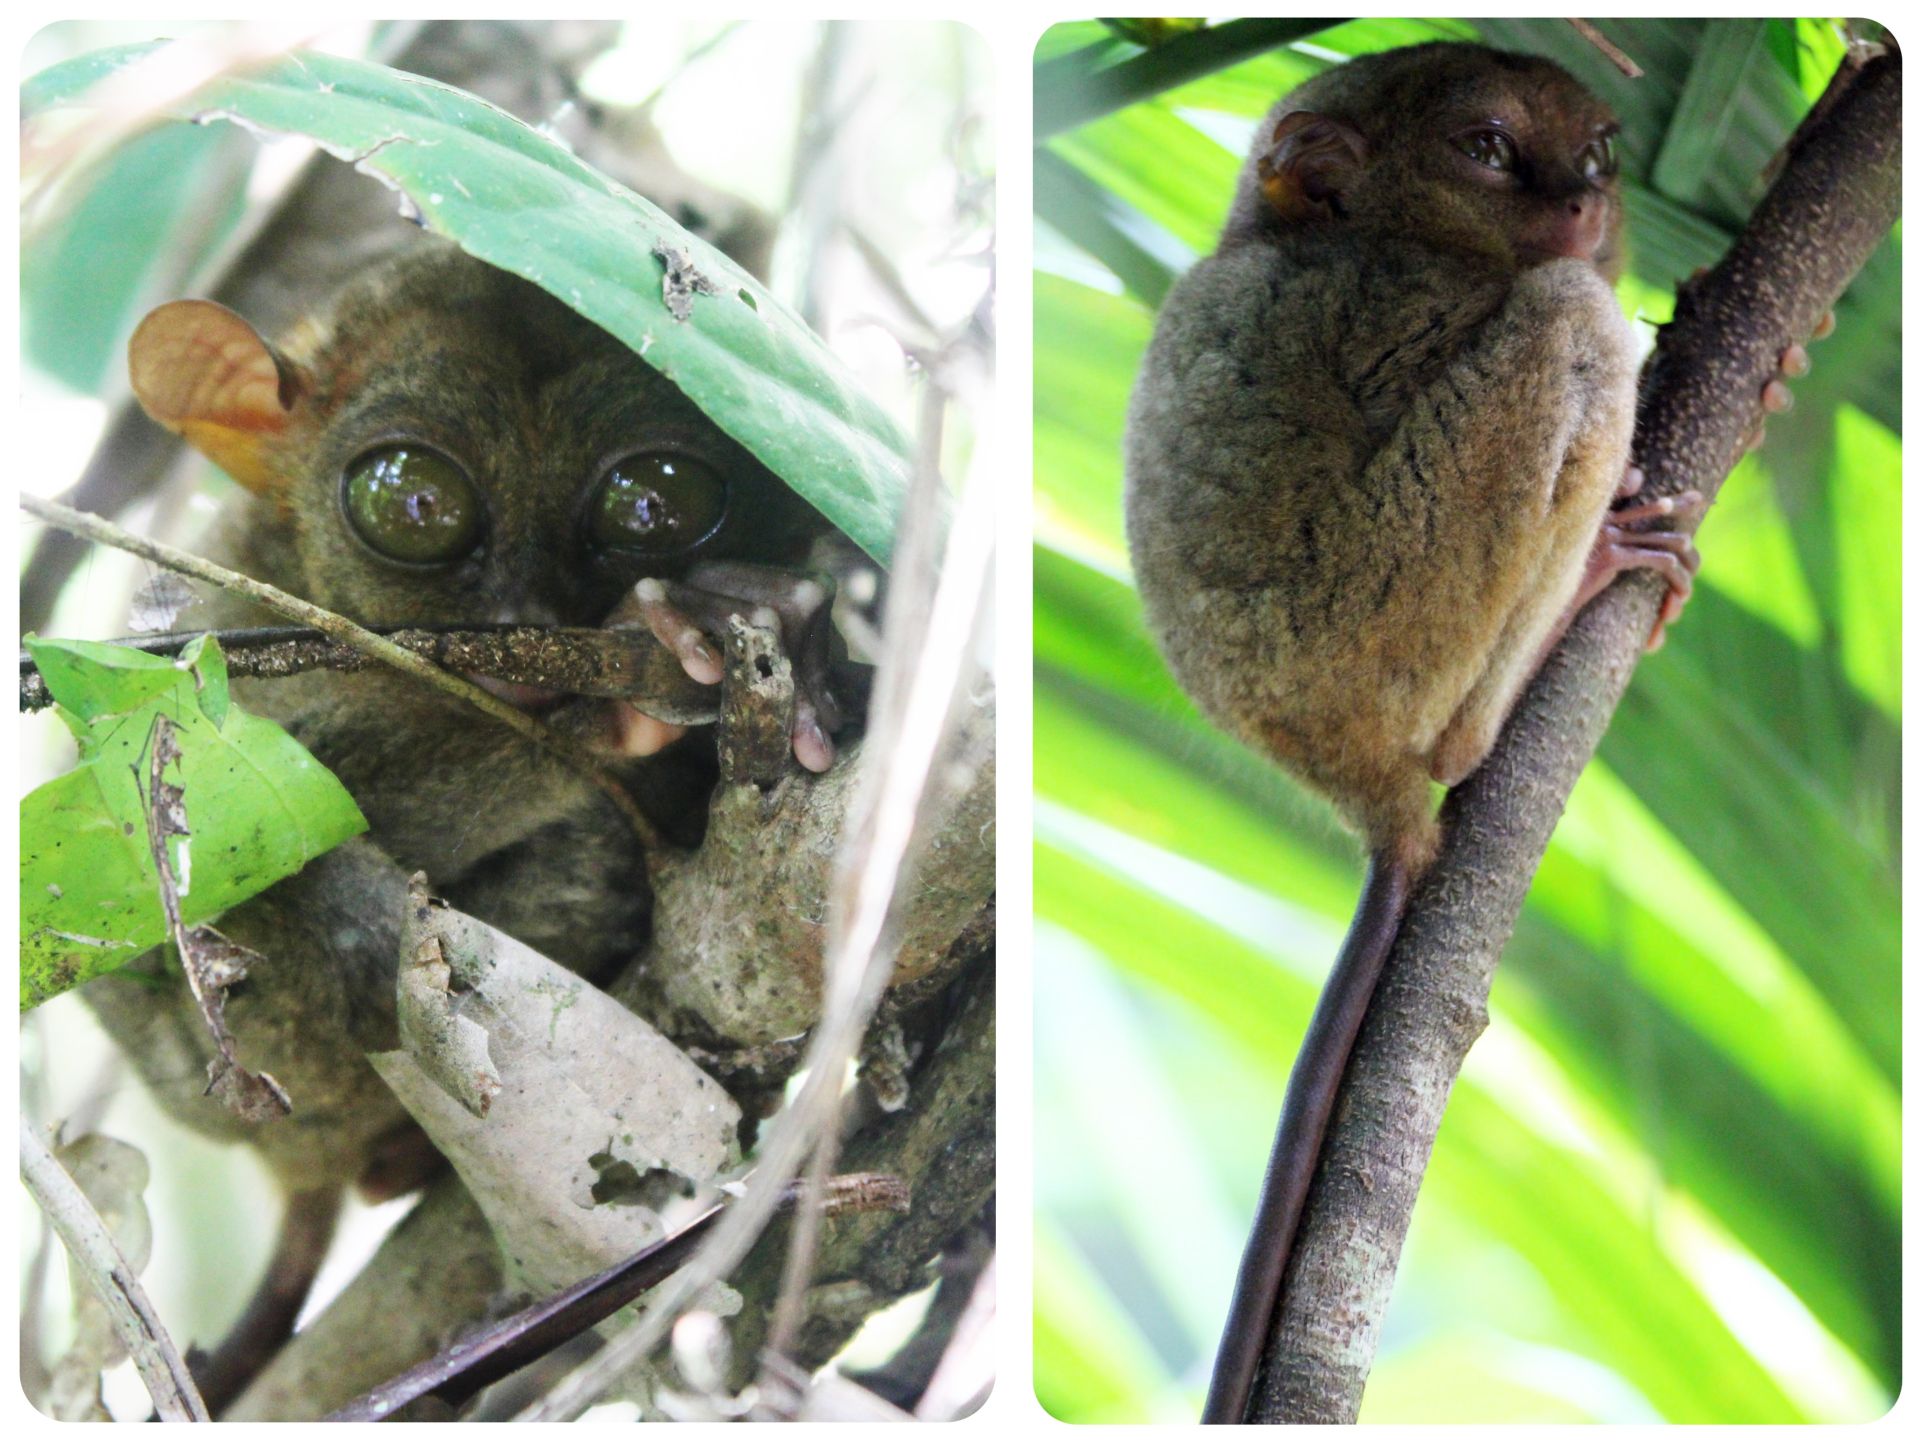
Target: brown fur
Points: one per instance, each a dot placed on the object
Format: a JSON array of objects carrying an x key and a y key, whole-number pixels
[
  {"x": 1375, "y": 434},
  {"x": 533, "y": 402}
]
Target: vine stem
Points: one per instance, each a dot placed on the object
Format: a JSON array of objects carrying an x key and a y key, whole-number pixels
[{"x": 106, "y": 1268}]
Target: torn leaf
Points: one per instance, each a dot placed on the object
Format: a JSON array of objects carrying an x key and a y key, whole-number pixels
[{"x": 262, "y": 808}]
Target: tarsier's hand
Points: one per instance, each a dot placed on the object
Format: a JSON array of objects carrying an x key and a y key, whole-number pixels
[{"x": 687, "y": 615}]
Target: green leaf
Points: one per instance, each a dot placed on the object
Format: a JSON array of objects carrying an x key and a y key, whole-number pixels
[
  {"x": 1069, "y": 90},
  {"x": 1090, "y": 1365},
  {"x": 1089, "y": 217},
  {"x": 1158, "y": 164},
  {"x": 514, "y": 198},
  {"x": 83, "y": 282},
  {"x": 1742, "y": 805},
  {"x": 260, "y": 807}
]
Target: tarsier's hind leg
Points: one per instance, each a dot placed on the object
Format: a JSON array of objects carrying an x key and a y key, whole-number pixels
[
  {"x": 1625, "y": 541},
  {"x": 1385, "y": 794}
]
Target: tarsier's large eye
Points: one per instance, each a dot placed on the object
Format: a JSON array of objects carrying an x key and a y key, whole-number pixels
[
  {"x": 1492, "y": 148},
  {"x": 1599, "y": 159},
  {"x": 656, "y": 503},
  {"x": 413, "y": 505}
]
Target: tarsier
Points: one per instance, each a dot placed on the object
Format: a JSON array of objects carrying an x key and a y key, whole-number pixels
[
  {"x": 1377, "y": 459},
  {"x": 445, "y": 442}
]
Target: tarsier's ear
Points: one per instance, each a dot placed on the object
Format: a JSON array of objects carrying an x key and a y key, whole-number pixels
[
  {"x": 205, "y": 374},
  {"x": 1310, "y": 161}
]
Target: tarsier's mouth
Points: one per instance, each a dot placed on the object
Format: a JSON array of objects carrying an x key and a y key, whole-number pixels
[
  {"x": 621, "y": 731},
  {"x": 529, "y": 698}
]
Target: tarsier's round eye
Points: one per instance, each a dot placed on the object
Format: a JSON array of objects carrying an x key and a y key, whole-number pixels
[
  {"x": 413, "y": 505},
  {"x": 656, "y": 503},
  {"x": 1492, "y": 148},
  {"x": 1599, "y": 159}
]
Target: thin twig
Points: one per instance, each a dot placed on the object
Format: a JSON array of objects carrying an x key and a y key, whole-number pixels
[
  {"x": 100, "y": 1259},
  {"x": 961, "y": 1381},
  {"x": 1607, "y": 48},
  {"x": 802, "y": 1248},
  {"x": 211, "y": 962},
  {"x": 804, "y": 1244},
  {"x": 95, "y": 528}
]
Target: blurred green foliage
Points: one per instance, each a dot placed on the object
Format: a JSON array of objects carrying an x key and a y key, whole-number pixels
[{"x": 1668, "y": 1186}]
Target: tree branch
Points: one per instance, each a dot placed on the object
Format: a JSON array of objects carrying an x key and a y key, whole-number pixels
[
  {"x": 1835, "y": 199},
  {"x": 627, "y": 663}
]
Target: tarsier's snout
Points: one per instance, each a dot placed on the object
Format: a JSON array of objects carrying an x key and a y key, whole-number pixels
[{"x": 1574, "y": 227}]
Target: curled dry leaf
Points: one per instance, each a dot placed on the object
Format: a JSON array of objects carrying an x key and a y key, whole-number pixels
[
  {"x": 448, "y": 1045},
  {"x": 210, "y": 961},
  {"x": 589, "y": 1120}
]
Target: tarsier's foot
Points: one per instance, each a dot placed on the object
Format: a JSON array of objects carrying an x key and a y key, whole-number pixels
[
  {"x": 1627, "y": 542},
  {"x": 687, "y": 615},
  {"x": 1775, "y": 396}
]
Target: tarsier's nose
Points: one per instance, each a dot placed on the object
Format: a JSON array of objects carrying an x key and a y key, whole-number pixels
[{"x": 1575, "y": 227}]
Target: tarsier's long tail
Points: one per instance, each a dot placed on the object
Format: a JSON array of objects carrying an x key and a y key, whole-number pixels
[{"x": 1311, "y": 1090}]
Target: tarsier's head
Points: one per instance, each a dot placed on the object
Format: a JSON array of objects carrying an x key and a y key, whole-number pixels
[
  {"x": 450, "y": 443},
  {"x": 1504, "y": 156}
]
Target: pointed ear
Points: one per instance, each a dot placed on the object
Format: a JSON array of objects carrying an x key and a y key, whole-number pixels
[
  {"x": 1310, "y": 161},
  {"x": 206, "y": 375}
]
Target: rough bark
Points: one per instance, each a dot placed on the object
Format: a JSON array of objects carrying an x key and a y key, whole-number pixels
[
  {"x": 1835, "y": 199},
  {"x": 942, "y": 1142}
]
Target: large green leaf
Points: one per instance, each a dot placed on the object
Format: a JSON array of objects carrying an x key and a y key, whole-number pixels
[
  {"x": 163, "y": 201},
  {"x": 515, "y": 198},
  {"x": 259, "y": 805}
]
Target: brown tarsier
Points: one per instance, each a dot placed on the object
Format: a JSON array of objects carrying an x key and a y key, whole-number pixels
[
  {"x": 1377, "y": 459},
  {"x": 445, "y": 442}
]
